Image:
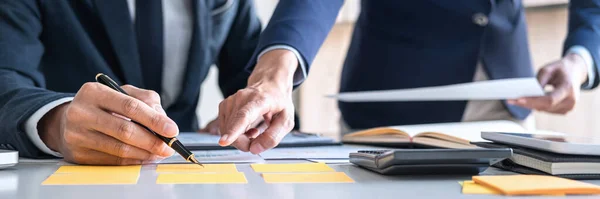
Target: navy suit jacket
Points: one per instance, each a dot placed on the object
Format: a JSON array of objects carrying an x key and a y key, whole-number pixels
[
  {"x": 408, "y": 44},
  {"x": 48, "y": 49}
]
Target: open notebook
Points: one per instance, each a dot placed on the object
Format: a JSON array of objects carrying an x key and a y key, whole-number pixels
[{"x": 440, "y": 135}]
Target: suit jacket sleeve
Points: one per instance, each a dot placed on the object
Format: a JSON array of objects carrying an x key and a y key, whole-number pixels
[
  {"x": 300, "y": 24},
  {"x": 21, "y": 83},
  {"x": 584, "y": 29},
  {"x": 238, "y": 48}
]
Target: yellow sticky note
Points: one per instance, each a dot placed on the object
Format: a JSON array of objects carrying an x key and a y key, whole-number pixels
[
  {"x": 91, "y": 179},
  {"x": 536, "y": 185},
  {"x": 330, "y": 177},
  {"x": 470, "y": 187},
  {"x": 201, "y": 178},
  {"x": 99, "y": 169},
  {"x": 291, "y": 168},
  {"x": 191, "y": 168}
]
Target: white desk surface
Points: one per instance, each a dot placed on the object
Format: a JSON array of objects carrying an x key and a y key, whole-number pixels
[{"x": 24, "y": 182}]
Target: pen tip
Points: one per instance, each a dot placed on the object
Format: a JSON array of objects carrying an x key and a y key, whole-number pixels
[{"x": 194, "y": 160}]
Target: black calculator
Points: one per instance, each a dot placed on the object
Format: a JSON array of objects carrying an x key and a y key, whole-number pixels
[{"x": 429, "y": 161}]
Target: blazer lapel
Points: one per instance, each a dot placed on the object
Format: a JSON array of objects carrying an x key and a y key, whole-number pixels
[{"x": 117, "y": 21}]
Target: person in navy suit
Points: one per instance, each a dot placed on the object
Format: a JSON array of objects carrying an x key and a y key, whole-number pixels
[
  {"x": 50, "y": 52},
  {"x": 409, "y": 44}
]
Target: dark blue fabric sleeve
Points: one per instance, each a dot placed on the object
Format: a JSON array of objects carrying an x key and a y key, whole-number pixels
[
  {"x": 21, "y": 82},
  {"x": 584, "y": 29},
  {"x": 238, "y": 49},
  {"x": 301, "y": 24}
]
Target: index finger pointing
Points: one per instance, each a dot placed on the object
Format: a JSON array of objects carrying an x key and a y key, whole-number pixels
[{"x": 238, "y": 122}]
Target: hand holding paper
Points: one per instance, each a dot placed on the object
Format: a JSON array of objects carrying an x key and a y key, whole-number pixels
[{"x": 565, "y": 76}]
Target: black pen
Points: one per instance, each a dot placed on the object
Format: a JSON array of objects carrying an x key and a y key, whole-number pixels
[{"x": 172, "y": 142}]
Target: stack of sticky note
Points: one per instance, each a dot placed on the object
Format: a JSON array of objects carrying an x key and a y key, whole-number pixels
[
  {"x": 196, "y": 174},
  {"x": 527, "y": 185},
  {"x": 94, "y": 175},
  {"x": 300, "y": 173}
]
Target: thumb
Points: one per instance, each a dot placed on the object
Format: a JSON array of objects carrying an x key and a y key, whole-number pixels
[{"x": 545, "y": 75}]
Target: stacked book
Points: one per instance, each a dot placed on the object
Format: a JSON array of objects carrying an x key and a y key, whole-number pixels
[{"x": 531, "y": 161}]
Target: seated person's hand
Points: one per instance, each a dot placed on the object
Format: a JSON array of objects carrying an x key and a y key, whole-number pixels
[
  {"x": 89, "y": 131},
  {"x": 267, "y": 97},
  {"x": 565, "y": 76}
]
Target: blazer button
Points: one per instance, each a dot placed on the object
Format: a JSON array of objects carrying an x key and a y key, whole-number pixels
[{"x": 480, "y": 19}]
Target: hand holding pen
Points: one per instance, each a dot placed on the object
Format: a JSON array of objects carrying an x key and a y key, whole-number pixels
[{"x": 85, "y": 130}]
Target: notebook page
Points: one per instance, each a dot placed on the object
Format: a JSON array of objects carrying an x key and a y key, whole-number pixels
[{"x": 466, "y": 130}]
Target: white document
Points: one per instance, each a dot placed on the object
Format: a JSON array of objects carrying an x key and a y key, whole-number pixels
[
  {"x": 333, "y": 152},
  {"x": 218, "y": 156},
  {"x": 330, "y": 161},
  {"x": 500, "y": 89}
]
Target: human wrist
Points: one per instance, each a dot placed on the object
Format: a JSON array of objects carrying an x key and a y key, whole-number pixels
[
  {"x": 49, "y": 127},
  {"x": 575, "y": 62},
  {"x": 275, "y": 68}
]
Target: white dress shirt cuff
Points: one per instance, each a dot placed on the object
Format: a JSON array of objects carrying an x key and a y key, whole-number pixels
[
  {"x": 587, "y": 58},
  {"x": 300, "y": 74},
  {"x": 32, "y": 123}
]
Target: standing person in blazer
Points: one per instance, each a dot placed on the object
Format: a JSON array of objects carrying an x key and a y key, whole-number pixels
[
  {"x": 409, "y": 44},
  {"x": 162, "y": 50}
]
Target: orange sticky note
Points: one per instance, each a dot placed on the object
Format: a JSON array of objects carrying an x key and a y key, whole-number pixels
[
  {"x": 291, "y": 168},
  {"x": 194, "y": 168},
  {"x": 91, "y": 179},
  {"x": 470, "y": 187},
  {"x": 99, "y": 169},
  {"x": 201, "y": 178},
  {"x": 536, "y": 185},
  {"x": 329, "y": 177}
]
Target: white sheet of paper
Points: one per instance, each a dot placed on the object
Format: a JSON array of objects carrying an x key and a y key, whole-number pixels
[
  {"x": 334, "y": 152},
  {"x": 482, "y": 90},
  {"x": 330, "y": 161},
  {"x": 218, "y": 156}
]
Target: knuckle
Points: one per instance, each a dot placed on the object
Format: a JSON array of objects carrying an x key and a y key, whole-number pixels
[
  {"x": 126, "y": 130},
  {"x": 153, "y": 94},
  {"x": 157, "y": 145},
  {"x": 72, "y": 114},
  {"x": 77, "y": 157},
  {"x": 243, "y": 113},
  {"x": 270, "y": 141},
  {"x": 88, "y": 86},
  {"x": 71, "y": 137},
  {"x": 290, "y": 124},
  {"x": 222, "y": 106},
  {"x": 130, "y": 106},
  {"x": 127, "y": 86},
  {"x": 156, "y": 120},
  {"x": 120, "y": 161},
  {"x": 122, "y": 149}
]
